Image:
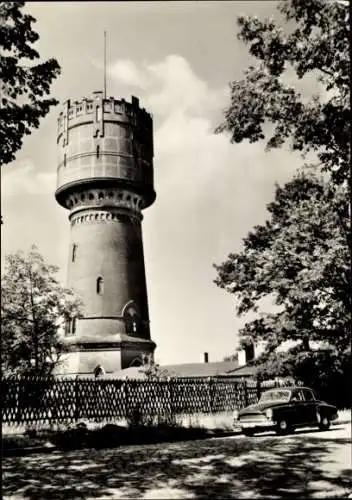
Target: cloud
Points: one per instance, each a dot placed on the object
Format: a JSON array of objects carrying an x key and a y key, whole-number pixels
[
  {"x": 179, "y": 89},
  {"x": 210, "y": 193},
  {"x": 127, "y": 72},
  {"x": 200, "y": 175},
  {"x": 31, "y": 214},
  {"x": 169, "y": 86},
  {"x": 23, "y": 178},
  {"x": 308, "y": 86},
  {"x": 182, "y": 105}
]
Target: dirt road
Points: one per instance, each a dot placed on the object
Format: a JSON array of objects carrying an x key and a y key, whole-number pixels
[{"x": 306, "y": 464}]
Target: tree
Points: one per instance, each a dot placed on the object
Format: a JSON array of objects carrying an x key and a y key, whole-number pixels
[
  {"x": 319, "y": 47},
  {"x": 23, "y": 85},
  {"x": 152, "y": 370},
  {"x": 300, "y": 259},
  {"x": 34, "y": 310}
]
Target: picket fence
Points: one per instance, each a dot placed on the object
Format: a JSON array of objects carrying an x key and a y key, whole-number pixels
[{"x": 26, "y": 400}]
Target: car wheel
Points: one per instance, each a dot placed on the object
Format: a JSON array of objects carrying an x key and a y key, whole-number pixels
[
  {"x": 248, "y": 432},
  {"x": 324, "y": 423},
  {"x": 283, "y": 427}
]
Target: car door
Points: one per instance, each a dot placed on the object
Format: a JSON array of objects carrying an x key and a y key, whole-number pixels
[
  {"x": 310, "y": 411},
  {"x": 297, "y": 409}
]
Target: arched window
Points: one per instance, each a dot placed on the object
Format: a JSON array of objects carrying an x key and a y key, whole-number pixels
[
  {"x": 100, "y": 285},
  {"x": 99, "y": 371},
  {"x": 131, "y": 320},
  {"x": 73, "y": 326},
  {"x": 74, "y": 252},
  {"x": 136, "y": 362}
]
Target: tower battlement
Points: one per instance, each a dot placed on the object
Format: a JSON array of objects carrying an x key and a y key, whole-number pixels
[
  {"x": 105, "y": 141},
  {"x": 122, "y": 109}
]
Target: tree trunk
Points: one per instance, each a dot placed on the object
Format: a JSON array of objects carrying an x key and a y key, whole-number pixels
[
  {"x": 35, "y": 329},
  {"x": 306, "y": 345}
]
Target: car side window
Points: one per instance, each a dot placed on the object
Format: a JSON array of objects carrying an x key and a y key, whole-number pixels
[
  {"x": 297, "y": 395},
  {"x": 308, "y": 395}
]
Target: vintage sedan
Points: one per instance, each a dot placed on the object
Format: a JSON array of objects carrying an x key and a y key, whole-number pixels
[{"x": 283, "y": 409}]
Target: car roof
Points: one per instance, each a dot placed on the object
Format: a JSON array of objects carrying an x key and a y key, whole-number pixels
[{"x": 290, "y": 388}]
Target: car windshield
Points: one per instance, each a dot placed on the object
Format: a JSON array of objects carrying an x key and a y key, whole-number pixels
[{"x": 276, "y": 395}]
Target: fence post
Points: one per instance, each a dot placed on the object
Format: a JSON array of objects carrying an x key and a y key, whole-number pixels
[
  {"x": 18, "y": 399},
  {"x": 171, "y": 399},
  {"x": 125, "y": 390},
  {"x": 245, "y": 393},
  {"x": 259, "y": 389},
  {"x": 211, "y": 398},
  {"x": 76, "y": 399}
]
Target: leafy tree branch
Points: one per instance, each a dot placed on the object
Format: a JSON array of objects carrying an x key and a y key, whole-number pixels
[
  {"x": 318, "y": 47},
  {"x": 23, "y": 84},
  {"x": 34, "y": 309}
]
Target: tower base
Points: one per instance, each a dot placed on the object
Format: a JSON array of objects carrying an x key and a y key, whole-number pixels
[{"x": 119, "y": 352}]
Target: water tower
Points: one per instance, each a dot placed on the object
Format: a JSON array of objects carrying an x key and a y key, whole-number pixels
[{"x": 105, "y": 180}]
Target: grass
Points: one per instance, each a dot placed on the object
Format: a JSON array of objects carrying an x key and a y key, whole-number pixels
[
  {"x": 87, "y": 434},
  {"x": 25, "y": 441},
  {"x": 105, "y": 436}
]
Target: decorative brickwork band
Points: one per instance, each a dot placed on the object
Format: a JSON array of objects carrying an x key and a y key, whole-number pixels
[{"x": 98, "y": 198}]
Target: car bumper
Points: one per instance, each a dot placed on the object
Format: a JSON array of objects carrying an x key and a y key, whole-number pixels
[{"x": 259, "y": 425}]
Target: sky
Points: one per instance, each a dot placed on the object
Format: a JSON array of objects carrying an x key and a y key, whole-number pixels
[{"x": 178, "y": 58}]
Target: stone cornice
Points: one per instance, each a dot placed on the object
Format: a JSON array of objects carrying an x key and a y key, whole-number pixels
[
  {"x": 136, "y": 343},
  {"x": 104, "y": 197}
]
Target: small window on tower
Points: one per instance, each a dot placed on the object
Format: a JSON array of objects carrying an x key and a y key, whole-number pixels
[
  {"x": 70, "y": 327},
  {"x": 74, "y": 252},
  {"x": 98, "y": 150},
  {"x": 100, "y": 285},
  {"x": 67, "y": 328},
  {"x": 65, "y": 160}
]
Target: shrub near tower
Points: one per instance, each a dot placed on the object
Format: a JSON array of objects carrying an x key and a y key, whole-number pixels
[{"x": 105, "y": 180}]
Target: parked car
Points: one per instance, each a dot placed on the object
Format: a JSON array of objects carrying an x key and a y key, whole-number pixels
[{"x": 283, "y": 409}]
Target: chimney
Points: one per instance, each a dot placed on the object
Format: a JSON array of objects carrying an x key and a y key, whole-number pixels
[
  {"x": 241, "y": 357},
  {"x": 249, "y": 353},
  {"x": 246, "y": 355},
  {"x": 206, "y": 357}
]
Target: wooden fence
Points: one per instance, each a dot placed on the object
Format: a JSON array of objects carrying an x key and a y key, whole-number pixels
[{"x": 69, "y": 400}]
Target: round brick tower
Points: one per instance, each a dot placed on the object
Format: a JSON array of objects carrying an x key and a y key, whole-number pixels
[{"x": 105, "y": 180}]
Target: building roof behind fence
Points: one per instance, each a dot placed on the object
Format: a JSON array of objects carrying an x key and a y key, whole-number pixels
[
  {"x": 242, "y": 371},
  {"x": 183, "y": 370}
]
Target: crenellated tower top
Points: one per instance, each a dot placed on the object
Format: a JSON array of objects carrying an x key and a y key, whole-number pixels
[{"x": 105, "y": 142}]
